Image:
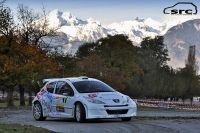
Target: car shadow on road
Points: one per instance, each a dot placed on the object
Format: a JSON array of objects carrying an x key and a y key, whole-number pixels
[{"x": 87, "y": 121}]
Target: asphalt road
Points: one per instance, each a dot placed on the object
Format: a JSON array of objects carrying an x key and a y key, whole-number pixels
[{"x": 109, "y": 125}]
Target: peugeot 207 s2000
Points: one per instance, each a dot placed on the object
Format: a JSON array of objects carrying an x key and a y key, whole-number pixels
[{"x": 81, "y": 98}]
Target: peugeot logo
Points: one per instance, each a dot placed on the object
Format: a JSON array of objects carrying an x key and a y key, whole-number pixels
[{"x": 116, "y": 100}]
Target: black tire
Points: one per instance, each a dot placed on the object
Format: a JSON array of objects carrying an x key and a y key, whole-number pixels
[
  {"x": 80, "y": 113},
  {"x": 126, "y": 119},
  {"x": 37, "y": 112}
]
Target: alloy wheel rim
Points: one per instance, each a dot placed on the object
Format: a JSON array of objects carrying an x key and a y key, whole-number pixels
[
  {"x": 37, "y": 111},
  {"x": 78, "y": 113}
]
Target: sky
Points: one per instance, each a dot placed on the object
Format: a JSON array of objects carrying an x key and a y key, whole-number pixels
[{"x": 107, "y": 11}]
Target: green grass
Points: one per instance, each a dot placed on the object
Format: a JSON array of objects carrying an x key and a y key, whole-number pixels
[
  {"x": 16, "y": 128},
  {"x": 142, "y": 108},
  {"x": 16, "y": 105}
]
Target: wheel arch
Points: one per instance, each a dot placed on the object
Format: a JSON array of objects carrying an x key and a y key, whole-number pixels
[
  {"x": 85, "y": 107},
  {"x": 41, "y": 117},
  {"x": 37, "y": 101}
]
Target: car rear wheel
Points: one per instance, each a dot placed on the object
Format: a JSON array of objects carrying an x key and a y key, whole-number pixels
[
  {"x": 79, "y": 113},
  {"x": 37, "y": 112},
  {"x": 126, "y": 119}
]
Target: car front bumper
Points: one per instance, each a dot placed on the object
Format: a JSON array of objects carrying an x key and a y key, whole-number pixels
[{"x": 110, "y": 111}]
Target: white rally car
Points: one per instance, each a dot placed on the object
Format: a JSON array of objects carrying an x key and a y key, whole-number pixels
[{"x": 81, "y": 98}]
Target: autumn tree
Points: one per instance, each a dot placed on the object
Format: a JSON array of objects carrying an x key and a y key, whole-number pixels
[
  {"x": 22, "y": 64},
  {"x": 33, "y": 28},
  {"x": 22, "y": 44},
  {"x": 7, "y": 31},
  {"x": 38, "y": 66},
  {"x": 86, "y": 50},
  {"x": 20, "y": 60},
  {"x": 11, "y": 69},
  {"x": 110, "y": 59},
  {"x": 68, "y": 63}
]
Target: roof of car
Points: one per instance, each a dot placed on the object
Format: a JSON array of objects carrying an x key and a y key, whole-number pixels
[{"x": 71, "y": 79}]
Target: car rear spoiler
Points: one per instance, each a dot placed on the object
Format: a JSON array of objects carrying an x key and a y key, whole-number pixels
[{"x": 47, "y": 80}]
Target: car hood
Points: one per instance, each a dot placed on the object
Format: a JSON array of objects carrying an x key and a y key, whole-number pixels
[{"x": 107, "y": 97}]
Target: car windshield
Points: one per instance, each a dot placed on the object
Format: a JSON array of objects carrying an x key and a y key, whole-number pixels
[{"x": 92, "y": 86}]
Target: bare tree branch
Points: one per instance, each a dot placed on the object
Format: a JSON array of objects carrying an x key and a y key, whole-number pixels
[
  {"x": 2, "y": 2},
  {"x": 34, "y": 27}
]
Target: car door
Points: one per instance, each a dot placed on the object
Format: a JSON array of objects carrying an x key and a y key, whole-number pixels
[
  {"x": 46, "y": 97},
  {"x": 63, "y": 101}
]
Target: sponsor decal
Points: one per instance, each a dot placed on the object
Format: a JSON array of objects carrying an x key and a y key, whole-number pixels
[
  {"x": 49, "y": 95},
  {"x": 59, "y": 99},
  {"x": 40, "y": 94},
  {"x": 114, "y": 94},
  {"x": 45, "y": 106},
  {"x": 60, "y": 108},
  {"x": 45, "y": 99},
  {"x": 92, "y": 95},
  {"x": 64, "y": 100}
]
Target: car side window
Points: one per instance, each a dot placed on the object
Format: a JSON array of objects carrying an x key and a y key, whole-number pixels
[
  {"x": 50, "y": 87},
  {"x": 64, "y": 88}
]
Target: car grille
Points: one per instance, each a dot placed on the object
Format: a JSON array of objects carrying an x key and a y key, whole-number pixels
[
  {"x": 116, "y": 105},
  {"x": 117, "y": 111}
]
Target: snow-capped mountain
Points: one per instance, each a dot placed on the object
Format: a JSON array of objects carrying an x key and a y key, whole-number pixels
[
  {"x": 179, "y": 38},
  {"x": 137, "y": 29},
  {"x": 73, "y": 32}
]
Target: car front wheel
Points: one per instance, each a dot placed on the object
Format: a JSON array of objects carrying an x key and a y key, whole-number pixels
[
  {"x": 79, "y": 113},
  {"x": 37, "y": 112},
  {"x": 126, "y": 119}
]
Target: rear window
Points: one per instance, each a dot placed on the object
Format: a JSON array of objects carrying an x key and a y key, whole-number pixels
[
  {"x": 50, "y": 87},
  {"x": 92, "y": 86}
]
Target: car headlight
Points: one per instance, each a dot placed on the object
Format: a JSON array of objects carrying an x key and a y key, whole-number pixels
[
  {"x": 128, "y": 99},
  {"x": 94, "y": 100}
]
